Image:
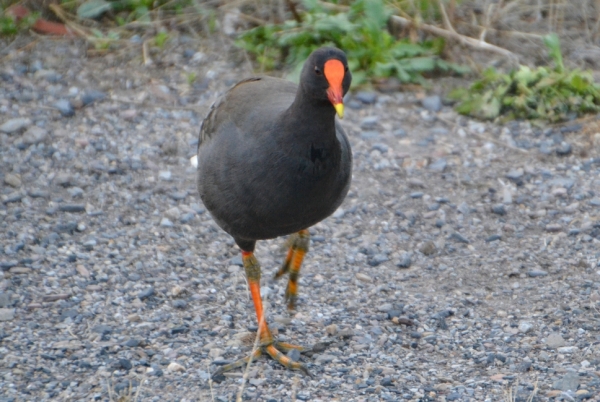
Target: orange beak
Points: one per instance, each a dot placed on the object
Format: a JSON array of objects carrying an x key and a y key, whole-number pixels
[{"x": 334, "y": 73}]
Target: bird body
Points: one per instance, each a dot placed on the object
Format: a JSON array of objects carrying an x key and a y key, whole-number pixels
[
  {"x": 272, "y": 161},
  {"x": 278, "y": 170}
]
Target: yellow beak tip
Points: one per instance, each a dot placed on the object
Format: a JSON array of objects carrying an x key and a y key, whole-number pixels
[{"x": 339, "y": 108}]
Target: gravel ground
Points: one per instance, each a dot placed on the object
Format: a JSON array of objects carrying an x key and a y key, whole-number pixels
[{"x": 464, "y": 264}]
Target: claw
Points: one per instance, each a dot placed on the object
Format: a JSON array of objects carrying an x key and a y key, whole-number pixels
[{"x": 273, "y": 349}]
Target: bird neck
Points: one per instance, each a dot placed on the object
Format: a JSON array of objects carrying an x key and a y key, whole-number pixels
[{"x": 313, "y": 119}]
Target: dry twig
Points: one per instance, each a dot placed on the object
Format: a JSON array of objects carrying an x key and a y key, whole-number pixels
[{"x": 465, "y": 40}]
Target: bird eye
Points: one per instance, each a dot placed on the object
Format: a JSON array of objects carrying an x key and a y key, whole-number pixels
[
  {"x": 317, "y": 70},
  {"x": 346, "y": 69}
]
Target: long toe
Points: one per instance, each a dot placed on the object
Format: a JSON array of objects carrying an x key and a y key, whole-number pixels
[
  {"x": 275, "y": 353},
  {"x": 218, "y": 374},
  {"x": 274, "y": 349}
]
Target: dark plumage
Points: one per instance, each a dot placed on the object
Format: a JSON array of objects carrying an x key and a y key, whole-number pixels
[{"x": 273, "y": 161}]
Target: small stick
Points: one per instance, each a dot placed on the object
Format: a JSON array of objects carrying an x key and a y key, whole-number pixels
[
  {"x": 147, "y": 59},
  {"x": 445, "y": 17},
  {"x": 465, "y": 40},
  {"x": 292, "y": 7},
  {"x": 210, "y": 382}
]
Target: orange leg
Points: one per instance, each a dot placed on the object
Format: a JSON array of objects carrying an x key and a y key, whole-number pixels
[
  {"x": 268, "y": 345},
  {"x": 293, "y": 261}
]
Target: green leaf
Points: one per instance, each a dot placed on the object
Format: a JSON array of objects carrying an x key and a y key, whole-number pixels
[
  {"x": 143, "y": 15},
  {"x": 419, "y": 64},
  {"x": 491, "y": 109},
  {"x": 553, "y": 44},
  {"x": 579, "y": 83},
  {"x": 376, "y": 12},
  {"x": 93, "y": 8}
]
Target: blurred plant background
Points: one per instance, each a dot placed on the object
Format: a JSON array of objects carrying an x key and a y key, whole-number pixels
[{"x": 505, "y": 45}]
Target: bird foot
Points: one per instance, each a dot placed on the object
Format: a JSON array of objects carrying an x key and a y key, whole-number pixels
[{"x": 272, "y": 348}]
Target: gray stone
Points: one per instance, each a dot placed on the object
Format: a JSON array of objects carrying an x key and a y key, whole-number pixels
[
  {"x": 34, "y": 135},
  {"x": 369, "y": 122},
  {"x": 146, "y": 293},
  {"x": 567, "y": 350},
  {"x": 12, "y": 180},
  {"x": 293, "y": 354},
  {"x": 432, "y": 103},
  {"x": 369, "y": 135},
  {"x": 404, "y": 261},
  {"x": 164, "y": 175},
  {"x": 525, "y": 327},
  {"x": 569, "y": 382},
  {"x": 595, "y": 202},
  {"x": 7, "y": 314},
  {"x": 563, "y": 149},
  {"x": 14, "y": 125},
  {"x": 464, "y": 208},
  {"x": 515, "y": 174},
  {"x": 428, "y": 248},
  {"x": 72, "y": 208},
  {"x": 4, "y": 300},
  {"x": 65, "y": 108},
  {"x": 536, "y": 273},
  {"x": 378, "y": 259},
  {"x": 166, "y": 223},
  {"x": 179, "y": 303},
  {"x": 324, "y": 358},
  {"x": 92, "y": 95},
  {"x": 385, "y": 307},
  {"x": 499, "y": 209},
  {"x": 366, "y": 97},
  {"x": 439, "y": 165},
  {"x": 173, "y": 214},
  {"x": 75, "y": 192},
  {"x": 459, "y": 238},
  {"x": 555, "y": 340},
  {"x": 399, "y": 132},
  {"x": 380, "y": 147}
]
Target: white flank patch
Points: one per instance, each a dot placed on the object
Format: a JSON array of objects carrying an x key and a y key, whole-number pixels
[{"x": 194, "y": 161}]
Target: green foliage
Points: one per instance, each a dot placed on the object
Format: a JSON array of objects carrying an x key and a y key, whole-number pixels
[
  {"x": 538, "y": 94},
  {"x": 93, "y": 8},
  {"x": 104, "y": 41},
  {"x": 10, "y": 26},
  {"x": 136, "y": 10},
  {"x": 191, "y": 78},
  {"x": 361, "y": 32},
  {"x": 161, "y": 38}
]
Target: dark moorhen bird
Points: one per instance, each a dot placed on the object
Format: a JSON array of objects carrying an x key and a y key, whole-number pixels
[{"x": 273, "y": 161}]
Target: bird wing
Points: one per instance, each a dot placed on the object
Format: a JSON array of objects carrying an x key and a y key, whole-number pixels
[{"x": 208, "y": 125}]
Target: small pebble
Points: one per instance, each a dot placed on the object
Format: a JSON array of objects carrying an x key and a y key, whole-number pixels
[
  {"x": 146, "y": 293},
  {"x": 459, "y": 238},
  {"x": 535, "y": 273},
  {"x": 12, "y": 180},
  {"x": 555, "y": 340},
  {"x": 164, "y": 175},
  {"x": 499, "y": 209},
  {"x": 439, "y": 165},
  {"x": 405, "y": 260},
  {"x": 366, "y": 97},
  {"x": 14, "y": 125},
  {"x": 65, "y": 108},
  {"x": 432, "y": 103},
  {"x": 428, "y": 248}
]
